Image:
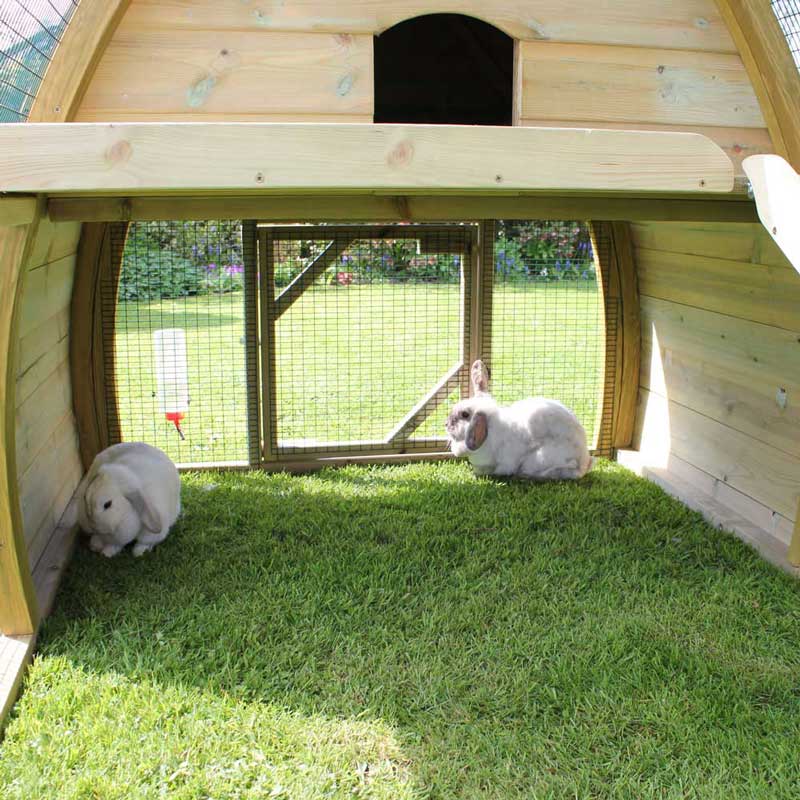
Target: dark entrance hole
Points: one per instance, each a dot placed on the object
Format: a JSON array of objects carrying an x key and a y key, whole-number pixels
[{"x": 444, "y": 69}]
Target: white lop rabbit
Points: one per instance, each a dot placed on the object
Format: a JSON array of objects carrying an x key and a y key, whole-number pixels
[
  {"x": 131, "y": 493},
  {"x": 535, "y": 438}
]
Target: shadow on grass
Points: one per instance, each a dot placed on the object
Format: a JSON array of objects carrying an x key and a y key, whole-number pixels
[{"x": 516, "y": 640}]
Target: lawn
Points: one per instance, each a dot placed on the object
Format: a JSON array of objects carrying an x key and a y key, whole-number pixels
[
  {"x": 352, "y": 361},
  {"x": 415, "y": 632}
]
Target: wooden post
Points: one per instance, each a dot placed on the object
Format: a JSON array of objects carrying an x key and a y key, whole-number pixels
[
  {"x": 266, "y": 258},
  {"x": 249, "y": 253},
  {"x": 18, "y": 608}
]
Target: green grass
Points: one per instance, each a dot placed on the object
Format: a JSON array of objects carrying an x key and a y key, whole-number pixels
[
  {"x": 353, "y": 361},
  {"x": 415, "y": 632}
]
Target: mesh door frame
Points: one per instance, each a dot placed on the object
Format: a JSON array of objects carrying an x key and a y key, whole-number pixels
[{"x": 304, "y": 457}]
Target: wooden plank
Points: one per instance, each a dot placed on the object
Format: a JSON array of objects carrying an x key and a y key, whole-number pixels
[
  {"x": 43, "y": 482},
  {"x": 745, "y": 350},
  {"x": 220, "y": 116},
  {"x": 722, "y": 517},
  {"x": 19, "y": 210},
  {"x": 294, "y": 291},
  {"x": 776, "y": 187},
  {"x": 714, "y": 240},
  {"x": 324, "y": 451},
  {"x": 48, "y": 290},
  {"x": 51, "y": 566},
  {"x": 732, "y": 241},
  {"x": 41, "y": 413},
  {"x": 54, "y": 241},
  {"x": 159, "y": 157},
  {"x": 194, "y": 71},
  {"x": 736, "y": 143},
  {"x": 775, "y": 525},
  {"x": 427, "y": 406},
  {"x": 40, "y": 352},
  {"x": 54, "y": 503},
  {"x": 758, "y": 470},
  {"x": 772, "y": 71},
  {"x": 18, "y": 612},
  {"x": 636, "y": 85},
  {"x": 691, "y": 24},
  {"x": 318, "y": 208},
  {"x": 75, "y": 59},
  {"x": 730, "y": 370},
  {"x": 15, "y": 655},
  {"x": 755, "y": 292}
]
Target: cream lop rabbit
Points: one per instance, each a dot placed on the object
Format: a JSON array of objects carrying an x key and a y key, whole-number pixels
[
  {"x": 535, "y": 438},
  {"x": 131, "y": 493}
]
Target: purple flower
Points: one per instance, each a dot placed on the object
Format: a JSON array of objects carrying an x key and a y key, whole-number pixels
[
  {"x": 210, "y": 267},
  {"x": 234, "y": 269}
]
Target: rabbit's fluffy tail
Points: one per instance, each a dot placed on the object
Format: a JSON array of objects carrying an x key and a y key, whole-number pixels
[{"x": 587, "y": 464}]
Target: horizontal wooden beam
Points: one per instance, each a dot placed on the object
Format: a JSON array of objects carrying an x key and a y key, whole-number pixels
[
  {"x": 327, "y": 157},
  {"x": 433, "y": 208},
  {"x": 17, "y": 210}
]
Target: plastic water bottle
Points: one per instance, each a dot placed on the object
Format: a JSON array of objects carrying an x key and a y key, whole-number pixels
[{"x": 172, "y": 374}]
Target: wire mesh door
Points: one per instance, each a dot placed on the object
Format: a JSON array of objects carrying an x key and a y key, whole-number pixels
[{"x": 365, "y": 337}]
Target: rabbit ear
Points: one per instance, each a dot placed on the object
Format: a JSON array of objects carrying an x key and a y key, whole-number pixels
[
  {"x": 477, "y": 431},
  {"x": 151, "y": 516},
  {"x": 479, "y": 376}
]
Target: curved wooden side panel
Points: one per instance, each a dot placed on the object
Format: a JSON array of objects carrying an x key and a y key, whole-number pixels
[
  {"x": 18, "y": 608},
  {"x": 76, "y": 59},
  {"x": 772, "y": 71},
  {"x": 614, "y": 257},
  {"x": 92, "y": 368}
]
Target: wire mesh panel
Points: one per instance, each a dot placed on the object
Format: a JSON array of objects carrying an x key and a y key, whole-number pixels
[
  {"x": 787, "y": 13},
  {"x": 183, "y": 357},
  {"x": 30, "y": 31},
  {"x": 367, "y": 335},
  {"x": 547, "y": 316}
]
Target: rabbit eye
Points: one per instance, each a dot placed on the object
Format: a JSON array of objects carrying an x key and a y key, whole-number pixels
[
  {"x": 107, "y": 504},
  {"x": 465, "y": 415}
]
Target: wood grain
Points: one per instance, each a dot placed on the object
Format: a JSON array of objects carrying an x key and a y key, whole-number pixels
[
  {"x": 689, "y": 24},
  {"x": 75, "y": 59},
  {"x": 754, "y": 468},
  {"x": 728, "y": 369},
  {"x": 224, "y": 72},
  {"x": 399, "y": 208},
  {"x": 772, "y": 71},
  {"x": 19, "y": 210},
  {"x": 736, "y": 143},
  {"x": 163, "y": 157},
  {"x": 636, "y": 85},
  {"x": 755, "y": 292}
]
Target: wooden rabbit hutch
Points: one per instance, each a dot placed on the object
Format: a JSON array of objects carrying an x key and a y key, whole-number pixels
[{"x": 314, "y": 128}]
